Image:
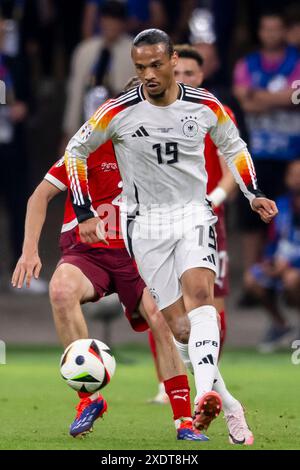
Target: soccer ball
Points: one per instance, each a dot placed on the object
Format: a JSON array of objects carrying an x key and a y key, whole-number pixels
[{"x": 87, "y": 365}]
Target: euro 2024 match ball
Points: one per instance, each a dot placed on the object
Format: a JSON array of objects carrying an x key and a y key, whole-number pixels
[{"x": 87, "y": 365}]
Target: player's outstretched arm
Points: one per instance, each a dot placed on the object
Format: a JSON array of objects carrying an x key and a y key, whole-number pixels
[
  {"x": 95, "y": 132},
  {"x": 266, "y": 208},
  {"x": 29, "y": 263},
  {"x": 226, "y": 137}
]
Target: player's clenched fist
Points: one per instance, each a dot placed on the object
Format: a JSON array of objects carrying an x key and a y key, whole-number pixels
[
  {"x": 266, "y": 208},
  {"x": 92, "y": 231}
]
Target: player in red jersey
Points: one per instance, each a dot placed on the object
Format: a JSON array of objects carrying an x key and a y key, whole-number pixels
[
  {"x": 87, "y": 272},
  {"x": 220, "y": 184}
]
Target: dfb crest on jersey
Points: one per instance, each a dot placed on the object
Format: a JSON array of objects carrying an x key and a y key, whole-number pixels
[
  {"x": 85, "y": 132},
  {"x": 190, "y": 127},
  {"x": 154, "y": 294}
]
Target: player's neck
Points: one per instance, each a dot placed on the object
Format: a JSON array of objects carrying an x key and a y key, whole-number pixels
[{"x": 169, "y": 97}]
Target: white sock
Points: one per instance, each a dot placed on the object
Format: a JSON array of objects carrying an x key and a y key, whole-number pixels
[
  {"x": 230, "y": 404},
  {"x": 204, "y": 344},
  {"x": 183, "y": 350}
]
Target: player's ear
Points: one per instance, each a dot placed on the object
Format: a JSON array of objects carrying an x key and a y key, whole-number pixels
[{"x": 174, "y": 59}]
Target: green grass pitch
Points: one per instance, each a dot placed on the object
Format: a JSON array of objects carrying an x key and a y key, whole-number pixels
[{"x": 37, "y": 406}]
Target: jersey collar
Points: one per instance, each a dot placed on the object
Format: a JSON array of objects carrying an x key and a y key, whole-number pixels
[{"x": 179, "y": 97}]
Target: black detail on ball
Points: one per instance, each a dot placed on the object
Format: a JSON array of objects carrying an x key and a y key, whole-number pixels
[
  {"x": 106, "y": 379},
  {"x": 95, "y": 348},
  {"x": 87, "y": 378},
  {"x": 63, "y": 361},
  {"x": 108, "y": 351}
]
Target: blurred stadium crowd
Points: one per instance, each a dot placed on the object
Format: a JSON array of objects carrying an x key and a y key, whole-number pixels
[{"x": 58, "y": 57}]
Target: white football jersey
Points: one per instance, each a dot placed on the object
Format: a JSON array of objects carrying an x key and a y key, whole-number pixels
[{"x": 160, "y": 150}]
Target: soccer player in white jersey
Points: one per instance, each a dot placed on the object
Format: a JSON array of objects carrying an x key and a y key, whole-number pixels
[
  {"x": 189, "y": 70},
  {"x": 158, "y": 132}
]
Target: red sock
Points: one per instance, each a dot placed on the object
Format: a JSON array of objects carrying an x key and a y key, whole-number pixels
[
  {"x": 178, "y": 391},
  {"x": 223, "y": 329},
  {"x": 83, "y": 395}
]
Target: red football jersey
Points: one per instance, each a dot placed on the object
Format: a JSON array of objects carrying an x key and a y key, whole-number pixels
[
  {"x": 212, "y": 161},
  {"x": 105, "y": 186}
]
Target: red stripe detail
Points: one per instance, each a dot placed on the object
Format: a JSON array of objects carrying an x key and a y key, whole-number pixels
[{"x": 96, "y": 355}]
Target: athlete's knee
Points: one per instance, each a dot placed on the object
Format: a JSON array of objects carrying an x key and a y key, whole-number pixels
[
  {"x": 198, "y": 288},
  {"x": 63, "y": 291},
  {"x": 200, "y": 295}
]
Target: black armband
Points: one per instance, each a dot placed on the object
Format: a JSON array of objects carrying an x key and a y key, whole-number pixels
[
  {"x": 258, "y": 193},
  {"x": 83, "y": 213}
]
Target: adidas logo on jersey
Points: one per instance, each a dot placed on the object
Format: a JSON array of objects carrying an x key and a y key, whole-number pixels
[
  {"x": 207, "y": 360},
  {"x": 141, "y": 132}
]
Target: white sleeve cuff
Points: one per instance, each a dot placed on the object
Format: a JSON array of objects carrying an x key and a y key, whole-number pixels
[
  {"x": 217, "y": 196},
  {"x": 57, "y": 183}
]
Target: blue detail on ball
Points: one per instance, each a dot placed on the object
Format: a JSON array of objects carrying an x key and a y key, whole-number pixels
[{"x": 79, "y": 360}]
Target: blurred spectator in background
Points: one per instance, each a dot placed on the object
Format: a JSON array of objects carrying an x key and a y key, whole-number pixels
[
  {"x": 214, "y": 83},
  {"x": 280, "y": 269},
  {"x": 48, "y": 36},
  {"x": 211, "y": 64},
  {"x": 173, "y": 17},
  {"x": 42, "y": 31},
  {"x": 69, "y": 30},
  {"x": 90, "y": 23},
  {"x": 170, "y": 15},
  {"x": 262, "y": 84},
  {"x": 211, "y": 27},
  {"x": 204, "y": 37},
  {"x": 292, "y": 15},
  {"x": 11, "y": 12},
  {"x": 13, "y": 155},
  {"x": 105, "y": 57},
  {"x": 38, "y": 38},
  {"x": 224, "y": 26},
  {"x": 254, "y": 9},
  {"x": 139, "y": 14}
]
